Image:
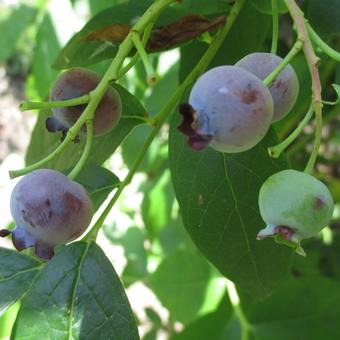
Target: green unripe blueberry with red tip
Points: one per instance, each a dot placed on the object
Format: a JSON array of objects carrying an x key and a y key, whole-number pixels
[{"x": 295, "y": 206}]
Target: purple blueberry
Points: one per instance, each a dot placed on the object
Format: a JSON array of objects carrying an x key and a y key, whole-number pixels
[
  {"x": 75, "y": 83},
  {"x": 229, "y": 109},
  {"x": 49, "y": 209},
  {"x": 284, "y": 89}
]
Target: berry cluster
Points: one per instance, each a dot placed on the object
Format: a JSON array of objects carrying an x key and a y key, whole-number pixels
[
  {"x": 231, "y": 110},
  {"x": 49, "y": 208}
]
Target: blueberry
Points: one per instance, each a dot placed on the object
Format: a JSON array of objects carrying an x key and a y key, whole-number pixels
[
  {"x": 229, "y": 108},
  {"x": 284, "y": 89},
  {"x": 49, "y": 209},
  {"x": 295, "y": 206},
  {"x": 75, "y": 83}
]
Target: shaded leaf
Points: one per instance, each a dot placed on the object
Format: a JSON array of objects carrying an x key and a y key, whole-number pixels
[
  {"x": 98, "y": 182},
  {"x": 189, "y": 292},
  {"x": 13, "y": 27},
  {"x": 17, "y": 272},
  {"x": 210, "y": 326},
  {"x": 324, "y": 16},
  {"x": 157, "y": 203},
  {"x": 77, "y": 295},
  {"x": 46, "y": 49},
  {"x": 43, "y": 143},
  {"x": 153, "y": 316},
  {"x": 133, "y": 243},
  {"x": 265, "y": 6},
  {"x": 299, "y": 309}
]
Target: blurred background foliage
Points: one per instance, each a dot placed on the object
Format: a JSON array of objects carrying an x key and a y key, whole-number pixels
[{"x": 155, "y": 249}]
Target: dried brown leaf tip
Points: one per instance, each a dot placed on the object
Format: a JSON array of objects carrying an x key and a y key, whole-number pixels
[
  {"x": 114, "y": 32},
  {"x": 181, "y": 31},
  {"x": 162, "y": 38}
]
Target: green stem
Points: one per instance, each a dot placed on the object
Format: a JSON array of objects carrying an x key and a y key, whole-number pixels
[
  {"x": 303, "y": 141},
  {"x": 161, "y": 117},
  {"x": 39, "y": 164},
  {"x": 150, "y": 72},
  {"x": 275, "y": 35},
  {"x": 135, "y": 58},
  {"x": 86, "y": 152},
  {"x": 275, "y": 151},
  {"x": 325, "y": 48},
  {"x": 96, "y": 95},
  {"x": 292, "y": 53},
  {"x": 246, "y": 327},
  {"x": 27, "y": 105},
  {"x": 312, "y": 61},
  {"x": 318, "y": 139}
]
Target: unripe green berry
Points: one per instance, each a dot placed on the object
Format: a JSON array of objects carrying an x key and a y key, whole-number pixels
[{"x": 295, "y": 206}]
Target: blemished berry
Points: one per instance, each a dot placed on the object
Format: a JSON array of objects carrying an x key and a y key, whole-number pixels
[
  {"x": 229, "y": 109},
  {"x": 284, "y": 89},
  {"x": 49, "y": 209},
  {"x": 75, "y": 83},
  {"x": 295, "y": 206}
]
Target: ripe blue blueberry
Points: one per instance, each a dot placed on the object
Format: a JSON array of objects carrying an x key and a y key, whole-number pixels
[
  {"x": 49, "y": 209},
  {"x": 295, "y": 206},
  {"x": 229, "y": 109},
  {"x": 284, "y": 89}
]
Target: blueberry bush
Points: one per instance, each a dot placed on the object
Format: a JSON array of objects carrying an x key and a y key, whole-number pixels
[{"x": 223, "y": 115}]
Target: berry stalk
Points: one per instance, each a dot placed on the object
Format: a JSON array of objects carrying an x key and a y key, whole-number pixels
[
  {"x": 111, "y": 75},
  {"x": 161, "y": 117},
  {"x": 275, "y": 35},
  {"x": 312, "y": 61}
]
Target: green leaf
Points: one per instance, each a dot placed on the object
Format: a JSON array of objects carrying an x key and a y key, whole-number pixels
[
  {"x": 7, "y": 321},
  {"x": 13, "y": 27},
  {"x": 218, "y": 193},
  {"x": 17, "y": 272},
  {"x": 43, "y": 143},
  {"x": 77, "y": 295},
  {"x": 153, "y": 316},
  {"x": 156, "y": 156},
  {"x": 218, "y": 197},
  {"x": 204, "y": 7},
  {"x": 97, "y": 6},
  {"x": 265, "y": 6},
  {"x": 133, "y": 243},
  {"x": 79, "y": 52},
  {"x": 46, "y": 49},
  {"x": 324, "y": 16},
  {"x": 98, "y": 182},
  {"x": 210, "y": 326},
  {"x": 185, "y": 284},
  {"x": 157, "y": 203},
  {"x": 299, "y": 309}
]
